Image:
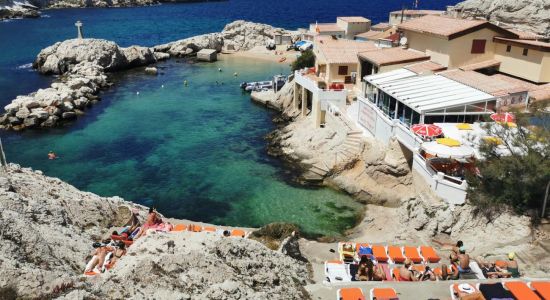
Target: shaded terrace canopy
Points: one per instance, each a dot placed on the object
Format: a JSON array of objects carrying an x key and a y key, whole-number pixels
[{"x": 426, "y": 94}]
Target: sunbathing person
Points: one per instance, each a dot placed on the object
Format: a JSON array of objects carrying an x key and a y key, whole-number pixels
[
  {"x": 405, "y": 272},
  {"x": 455, "y": 249},
  {"x": 445, "y": 275},
  {"x": 99, "y": 255},
  {"x": 463, "y": 261},
  {"x": 379, "y": 273},
  {"x": 512, "y": 265},
  {"x": 365, "y": 271},
  {"x": 152, "y": 221}
]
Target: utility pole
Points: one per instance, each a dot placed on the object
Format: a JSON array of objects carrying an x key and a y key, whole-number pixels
[{"x": 78, "y": 25}]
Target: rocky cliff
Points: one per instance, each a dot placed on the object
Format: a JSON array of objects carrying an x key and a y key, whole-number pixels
[
  {"x": 47, "y": 228},
  {"x": 526, "y": 15},
  {"x": 17, "y": 9}
]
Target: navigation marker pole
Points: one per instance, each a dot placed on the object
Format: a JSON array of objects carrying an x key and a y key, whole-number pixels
[{"x": 78, "y": 25}]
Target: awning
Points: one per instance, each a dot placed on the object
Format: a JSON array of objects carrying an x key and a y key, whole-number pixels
[{"x": 439, "y": 150}]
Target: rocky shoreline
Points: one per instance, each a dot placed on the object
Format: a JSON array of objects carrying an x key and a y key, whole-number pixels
[
  {"x": 84, "y": 66},
  {"x": 10, "y": 9},
  {"x": 47, "y": 228}
]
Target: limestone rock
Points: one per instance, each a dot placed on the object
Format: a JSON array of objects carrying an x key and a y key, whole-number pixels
[
  {"x": 48, "y": 228},
  {"x": 526, "y": 15},
  {"x": 138, "y": 56},
  {"x": 17, "y": 9},
  {"x": 151, "y": 70}
]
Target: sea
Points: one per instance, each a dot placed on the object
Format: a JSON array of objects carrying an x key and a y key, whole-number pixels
[{"x": 198, "y": 151}]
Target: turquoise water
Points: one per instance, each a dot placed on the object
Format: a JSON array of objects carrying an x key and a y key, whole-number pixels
[{"x": 194, "y": 152}]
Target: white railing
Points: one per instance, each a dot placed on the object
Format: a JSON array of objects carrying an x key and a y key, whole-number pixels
[
  {"x": 325, "y": 96},
  {"x": 451, "y": 189}
]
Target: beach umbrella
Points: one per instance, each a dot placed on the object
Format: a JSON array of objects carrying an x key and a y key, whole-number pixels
[
  {"x": 503, "y": 117},
  {"x": 427, "y": 130},
  {"x": 449, "y": 142}
]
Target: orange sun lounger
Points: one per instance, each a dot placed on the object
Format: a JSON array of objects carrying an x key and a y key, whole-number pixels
[
  {"x": 412, "y": 254},
  {"x": 383, "y": 294},
  {"x": 429, "y": 254},
  {"x": 195, "y": 228},
  {"x": 520, "y": 290},
  {"x": 238, "y": 233},
  {"x": 380, "y": 253},
  {"x": 350, "y": 294},
  {"x": 501, "y": 264},
  {"x": 542, "y": 288},
  {"x": 179, "y": 227},
  {"x": 395, "y": 254},
  {"x": 209, "y": 229}
]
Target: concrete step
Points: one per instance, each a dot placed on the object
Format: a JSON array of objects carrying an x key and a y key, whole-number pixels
[
  {"x": 344, "y": 153},
  {"x": 350, "y": 152},
  {"x": 354, "y": 138},
  {"x": 355, "y": 132},
  {"x": 321, "y": 167}
]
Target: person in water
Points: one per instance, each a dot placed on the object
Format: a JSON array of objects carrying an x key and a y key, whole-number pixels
[{"x": 51, "y": 155}]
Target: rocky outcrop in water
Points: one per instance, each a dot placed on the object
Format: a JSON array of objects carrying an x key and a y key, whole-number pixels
[
  {"x": 46, "y": 232},
  {"x": 526, "y": 15},
  {"x": 239, "y": 36},
  {"x": 83, "y": 64},
  {"x": 20, "y": 9}
]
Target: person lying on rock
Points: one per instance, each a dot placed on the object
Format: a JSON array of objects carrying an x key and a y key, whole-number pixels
[
  {"x": 133, "y": 222},
  {"x": 153, "y": 220},
  {"x": 99, "y": 255},
  {"x": 405, "y": 272}
]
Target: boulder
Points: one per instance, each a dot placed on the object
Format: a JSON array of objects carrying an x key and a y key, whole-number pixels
[
  {"x": 30, "y": 122},
  {"x": 14, "y": 120},
  {"x": 151, "y": 70},
  {"x": 137, "y": 56},
  {"x": 39, "y": 113},
  {"x": 161, "y": 56},
  {"x": 50, "y": 122},
  {"x": 23, "y": 113},
  {"x": 68, "y": 115},
  {"x": 11, "y": 108},
  {"x": 66, "y": 106},
  {"x": 31, "y": 103},
  {"x": 61, "y": 57}
]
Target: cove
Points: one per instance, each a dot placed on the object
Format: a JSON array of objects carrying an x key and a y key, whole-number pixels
[{"x": 195, "y": 152}]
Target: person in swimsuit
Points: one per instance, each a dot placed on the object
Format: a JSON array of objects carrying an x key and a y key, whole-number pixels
[
  {"x": 512, "y": 265},
  {"x": 365, "y": 270},
  {"x": 379, "y": 274},
  {"x": 405, "y": 273},
  {"x": 152, "y": 221},
  {"x": 463, "y": 261}
]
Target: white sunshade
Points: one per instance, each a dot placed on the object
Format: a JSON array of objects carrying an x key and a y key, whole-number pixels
[
  {"x": 443, "y": 151},
  {"x": 389, "y": 76},
  {"x": 427, "y": 93}
]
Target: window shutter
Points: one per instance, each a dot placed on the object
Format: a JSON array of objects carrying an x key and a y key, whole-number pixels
[{"x": 478, "y": 46}]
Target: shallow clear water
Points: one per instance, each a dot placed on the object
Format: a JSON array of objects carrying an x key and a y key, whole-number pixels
[{"x": 195, "y": 152}]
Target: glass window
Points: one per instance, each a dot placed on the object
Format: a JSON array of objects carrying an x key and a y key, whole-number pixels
[
  {"x": 343, "y": 70},
  {"x": 478, "y": 46},
  {"x": 508, "y": 48},
  {"x": 525, "y": 52}
]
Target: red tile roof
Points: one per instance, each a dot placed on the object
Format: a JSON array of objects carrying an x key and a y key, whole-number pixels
[
  {"x": 487, "y": 84},
  {"x": 425, "y": 67},
  {"x": 531, "y": 44},
  {"x": 481, "y": 65},
  {"x": 392, "y": 56},
  {"x": 341, "y": 51},
  {"x": 447, "y": 27},
  {"x": 418, "y": 12},
  {"x": 354, "y": 19}
]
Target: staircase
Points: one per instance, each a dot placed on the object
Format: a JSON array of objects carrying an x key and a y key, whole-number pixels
[{"x": 352, "y": 146}]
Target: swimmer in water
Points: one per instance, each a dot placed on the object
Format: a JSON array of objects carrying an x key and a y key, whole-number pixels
[{"x": 51, "y": 155}]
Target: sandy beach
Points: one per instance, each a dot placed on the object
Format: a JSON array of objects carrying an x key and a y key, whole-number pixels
[{"x": 261, "y": 53}]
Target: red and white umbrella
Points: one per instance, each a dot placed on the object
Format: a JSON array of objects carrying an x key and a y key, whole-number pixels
[
  {"x": 503, "y": 117},
  {"x": 427, "y": 130}
]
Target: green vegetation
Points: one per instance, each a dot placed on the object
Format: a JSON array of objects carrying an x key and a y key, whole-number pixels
[
  {"x": 306, "y": 60},
  {"x": 518, "y": 180}
]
